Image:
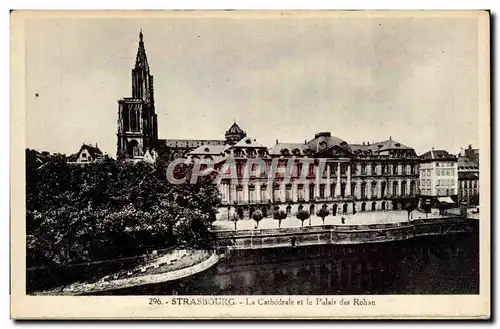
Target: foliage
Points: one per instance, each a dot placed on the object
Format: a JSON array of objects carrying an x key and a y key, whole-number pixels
[
  {"x": 409, "y": 207},
  {"x": 257, "y": 217},
  {"x": 235, "y": 218},
  {"x": 302, "y": 215},
  {"x": 426, "y": 207},
  {"x": 110, "y": 209},
  {"x": 279, "y": 215},
  {"x": 323, "y": 212}
]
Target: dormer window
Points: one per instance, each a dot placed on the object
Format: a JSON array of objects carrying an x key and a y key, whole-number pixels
[
  {"x": 206, "y": 149},
  {"x": 248, "y": 141},
  {"x": 296, "y": 152},
  {"x": 322, "y": 145}
]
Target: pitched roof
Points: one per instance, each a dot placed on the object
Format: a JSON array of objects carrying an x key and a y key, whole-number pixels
[
  {"x": 249, "y": 142},
  {"x": 235, "y": 129},
  {"x": 94, "y": 151},
  {"x": 276, "y": 149},
  {"x": 380, "y": 146},
  {"x": 468, "y": 162},
  {"x": 437, "y": 154},
  {"x": 324, "y": 140}
]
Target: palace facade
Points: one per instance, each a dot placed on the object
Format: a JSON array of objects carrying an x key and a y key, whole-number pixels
[{"x": 324, "y": 171}]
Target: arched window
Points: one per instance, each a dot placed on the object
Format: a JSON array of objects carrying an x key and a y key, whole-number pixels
[
  {"x": 374, "y": 206},
  {"x": 288, "y": 210},
  {"x": 344, "y": 210},
  {"x": 133, "y": 148},
  {"x": 383, "y": 205},
  {"x": 363, "y": 206},
  {"x": 334, "y": 209}
]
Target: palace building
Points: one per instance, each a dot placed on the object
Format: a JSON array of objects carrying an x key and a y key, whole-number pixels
[{"x": 322, "y": 171}]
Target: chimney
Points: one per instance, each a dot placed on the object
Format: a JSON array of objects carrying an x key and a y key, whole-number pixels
[
  {"x": 367, "y": 143},
  {"x": 305, "y": 141},
  {"x": 363, "y": 143},
  {"x": 462, "y": 151},
  {"x": 276, "y": 141}
]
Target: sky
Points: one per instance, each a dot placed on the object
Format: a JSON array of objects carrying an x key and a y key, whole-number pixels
[{"x": 361, "y": 78}]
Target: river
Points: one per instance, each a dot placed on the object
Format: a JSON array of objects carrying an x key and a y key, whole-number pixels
[{"x": 428, "y": 265}]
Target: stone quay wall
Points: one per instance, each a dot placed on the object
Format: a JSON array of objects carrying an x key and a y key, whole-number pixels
[{"x": 341, "y": 234}]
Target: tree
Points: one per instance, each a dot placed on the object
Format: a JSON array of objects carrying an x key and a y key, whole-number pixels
[
  {"x": 110, "y": 209},
  {"x": 323, "y": 212},
  {"x": 426, "y": 207},
  {"x": 409, "y": 207},
  {"x": 302, "y": 215},
  {"x": 257, "y": 217},
  {"x": 235, "y": 218},
  {"x": 279, "y": 215}
]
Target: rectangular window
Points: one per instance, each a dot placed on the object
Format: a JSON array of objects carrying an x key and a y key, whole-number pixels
[
  {"x": 251, "y": 193},
  {"x": 300, "y": 190},
  {"x": 311, "y": 169},
  {"x": 239, "y": 194},
  {"x": 288, "y": 192},
  {"x": 322, "y": 191},
  {"x": 263, "y": 193},
  {"x": 311, "y": 192},
  {"x": 276, "y": 193}
]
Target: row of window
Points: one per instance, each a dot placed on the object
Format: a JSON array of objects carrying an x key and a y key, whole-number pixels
[
  {"x": 469, "y": 184},
  {"x": 445, "y": 182},
  {"x": 361, "y": 169},
  {"x": 468, "y": 193},
  {"x": 445, "y": 172},
  {"x": 276, "y": 194}
]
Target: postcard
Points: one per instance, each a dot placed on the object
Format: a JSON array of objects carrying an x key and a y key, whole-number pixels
[{"x": 250, "y": 165}]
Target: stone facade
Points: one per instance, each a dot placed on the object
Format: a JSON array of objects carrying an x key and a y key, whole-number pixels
[
  {"x": 468, "y": 176},
  {"x": 325, "y": 171}
]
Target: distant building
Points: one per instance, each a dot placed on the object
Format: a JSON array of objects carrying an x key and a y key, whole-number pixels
[
  {"x": 468, "y": 176},
  {"x": 439, "y": 176},
  {"x": 87, "y": 154}
]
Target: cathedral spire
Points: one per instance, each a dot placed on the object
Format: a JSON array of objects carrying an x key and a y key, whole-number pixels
[{"x": 141, "y": 60}]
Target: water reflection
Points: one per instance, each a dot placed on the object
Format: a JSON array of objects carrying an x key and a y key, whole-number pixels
[{"x": 432, "y": 265}]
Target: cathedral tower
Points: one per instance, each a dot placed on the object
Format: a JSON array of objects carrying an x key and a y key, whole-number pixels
[{"x": 137, "y": 119}]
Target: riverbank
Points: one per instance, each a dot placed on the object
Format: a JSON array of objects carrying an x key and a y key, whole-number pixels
[
  {"x": 342, "y": 234},
  {"x": 163, "y": 269}
]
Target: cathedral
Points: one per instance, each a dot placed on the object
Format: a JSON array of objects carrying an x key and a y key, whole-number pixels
[
  {"x": 138, "y": 121},
  {"x": 378, "y": 176}
]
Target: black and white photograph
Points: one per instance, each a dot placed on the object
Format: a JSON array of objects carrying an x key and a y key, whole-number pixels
[{"x": 254, "y": 159}]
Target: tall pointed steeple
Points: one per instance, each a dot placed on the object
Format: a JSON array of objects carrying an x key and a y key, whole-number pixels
[
  {"x": 142, "y": 80},
  {"x": 141, "y": 60},
  {"x": 137, "y": 119}
]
